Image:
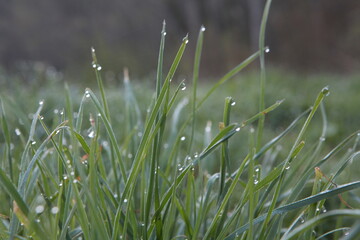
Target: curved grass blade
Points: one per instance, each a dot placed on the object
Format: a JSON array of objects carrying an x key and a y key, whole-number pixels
[
  {"x": 298, "y": 204},
  {"x": 262, "y": 70},
  {"x": 197, "y": 58},
  {"x": 314, "y": 221}
]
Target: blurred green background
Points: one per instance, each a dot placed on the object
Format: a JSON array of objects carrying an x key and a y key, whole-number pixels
[{"x": 307, "y": 36}]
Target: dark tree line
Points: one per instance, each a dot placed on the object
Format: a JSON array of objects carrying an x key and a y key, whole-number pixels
[{"x": 308, "y": 35}]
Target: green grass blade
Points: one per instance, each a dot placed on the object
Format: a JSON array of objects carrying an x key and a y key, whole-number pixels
[
  {"x": 262, "y": 70},
  {"x": 316, "y": 220},
  {"x": 197, "y": 58},
  {"x": 299, "y": 204}
]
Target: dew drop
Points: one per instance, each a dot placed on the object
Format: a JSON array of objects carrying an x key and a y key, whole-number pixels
[
  {"x": 186, "y": 41},
  {"x": 68, "y": 161},
  {"x": 287, "y": 167},
  {"x": 60, "y": 184},
  {"x": 56, "y": 111},
  {"x": 302, "y": 220},
  {"x": 75, "y": 181},
  {"x": 91, "y": 134},
  {"x": 237, "y": 129},
  {"x": 267, "y": 49},
  {"x": 65, "y": 177},
  {"x": 183, "y": 87},
  {"x": 233, "y": 103},
  {"x": 93, "y": 65},
  {"x": 180, "y": 169},
  {"x": 17, "y": 132},
  {"x": 322, "y": 139},
  {"x": 41, "y": 102},
  {"x": 37, "y": 220},
  {"x": 98, "y": 67},
  {"x": 72, "y": 173},
  {"x": 256, "y": 182},
  {"x": 257, "y": 169},
  {"x": 33, "y": 142},
  {"x": 203, "y": 28},
  {"x": 92, "y": 49},
  {"x": 62, "y": 112},
  {"x": 164, "y": 33},
  {"x": 115, "y": 195},
  {"x": 41, "y": 117},
  {"x": 196, "y": 155},
  {"x": 129, "y": 155},
  {"x": 54, "y": 210},
  {"x": 125, "y": 200},
  {"x": 39, "y": 209},
  {"x": 183, "y": 138},
  {"x": 324, "y": 210},
  {"x": 208, "y": 128},
  {"x": 325, "y": 91},
  {"x": 317, "y": 209}
]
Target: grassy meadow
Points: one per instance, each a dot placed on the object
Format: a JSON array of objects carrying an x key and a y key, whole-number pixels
[{"x": 265, "y": 154}]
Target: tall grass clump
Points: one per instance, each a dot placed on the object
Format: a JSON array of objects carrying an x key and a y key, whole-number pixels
[{"x": 84, "y": 174}]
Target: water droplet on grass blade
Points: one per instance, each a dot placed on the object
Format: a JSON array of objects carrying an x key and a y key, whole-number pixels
[
  {"x": 54, "y": 210},
  {"x": 203, "y": 29},
  {"x": 322, "y": 139},
  {"x": 164, "y": 33},
  {"x": 183, "y": 138},
  {"x": 41, "y": 102},
  {"x": 267, "y": 49},
  {"x": 91, "y": 134},
  {"x": 233, "y": 103},
  {"x": 33, "y": 142},
  {"x": 125, "y": 200},
  {"x": 182, "y": 87},
  {"x": 325, "y": 91},
  {"x": 17, "y": 132},
  {"x": 39, "y": 209},
  {"x": 256, "y": 182},
  {"x": 237, "y": 129},
  {"x": 98, "y": 67}
]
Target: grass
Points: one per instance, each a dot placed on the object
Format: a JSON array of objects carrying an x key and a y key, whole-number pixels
[{"x": 149, "y": 165}]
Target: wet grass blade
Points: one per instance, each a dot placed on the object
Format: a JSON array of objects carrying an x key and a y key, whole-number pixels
[{"x": 299, "y": 204}]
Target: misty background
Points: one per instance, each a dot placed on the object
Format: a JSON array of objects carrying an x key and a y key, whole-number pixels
[{"x": 305, "y": 36}]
